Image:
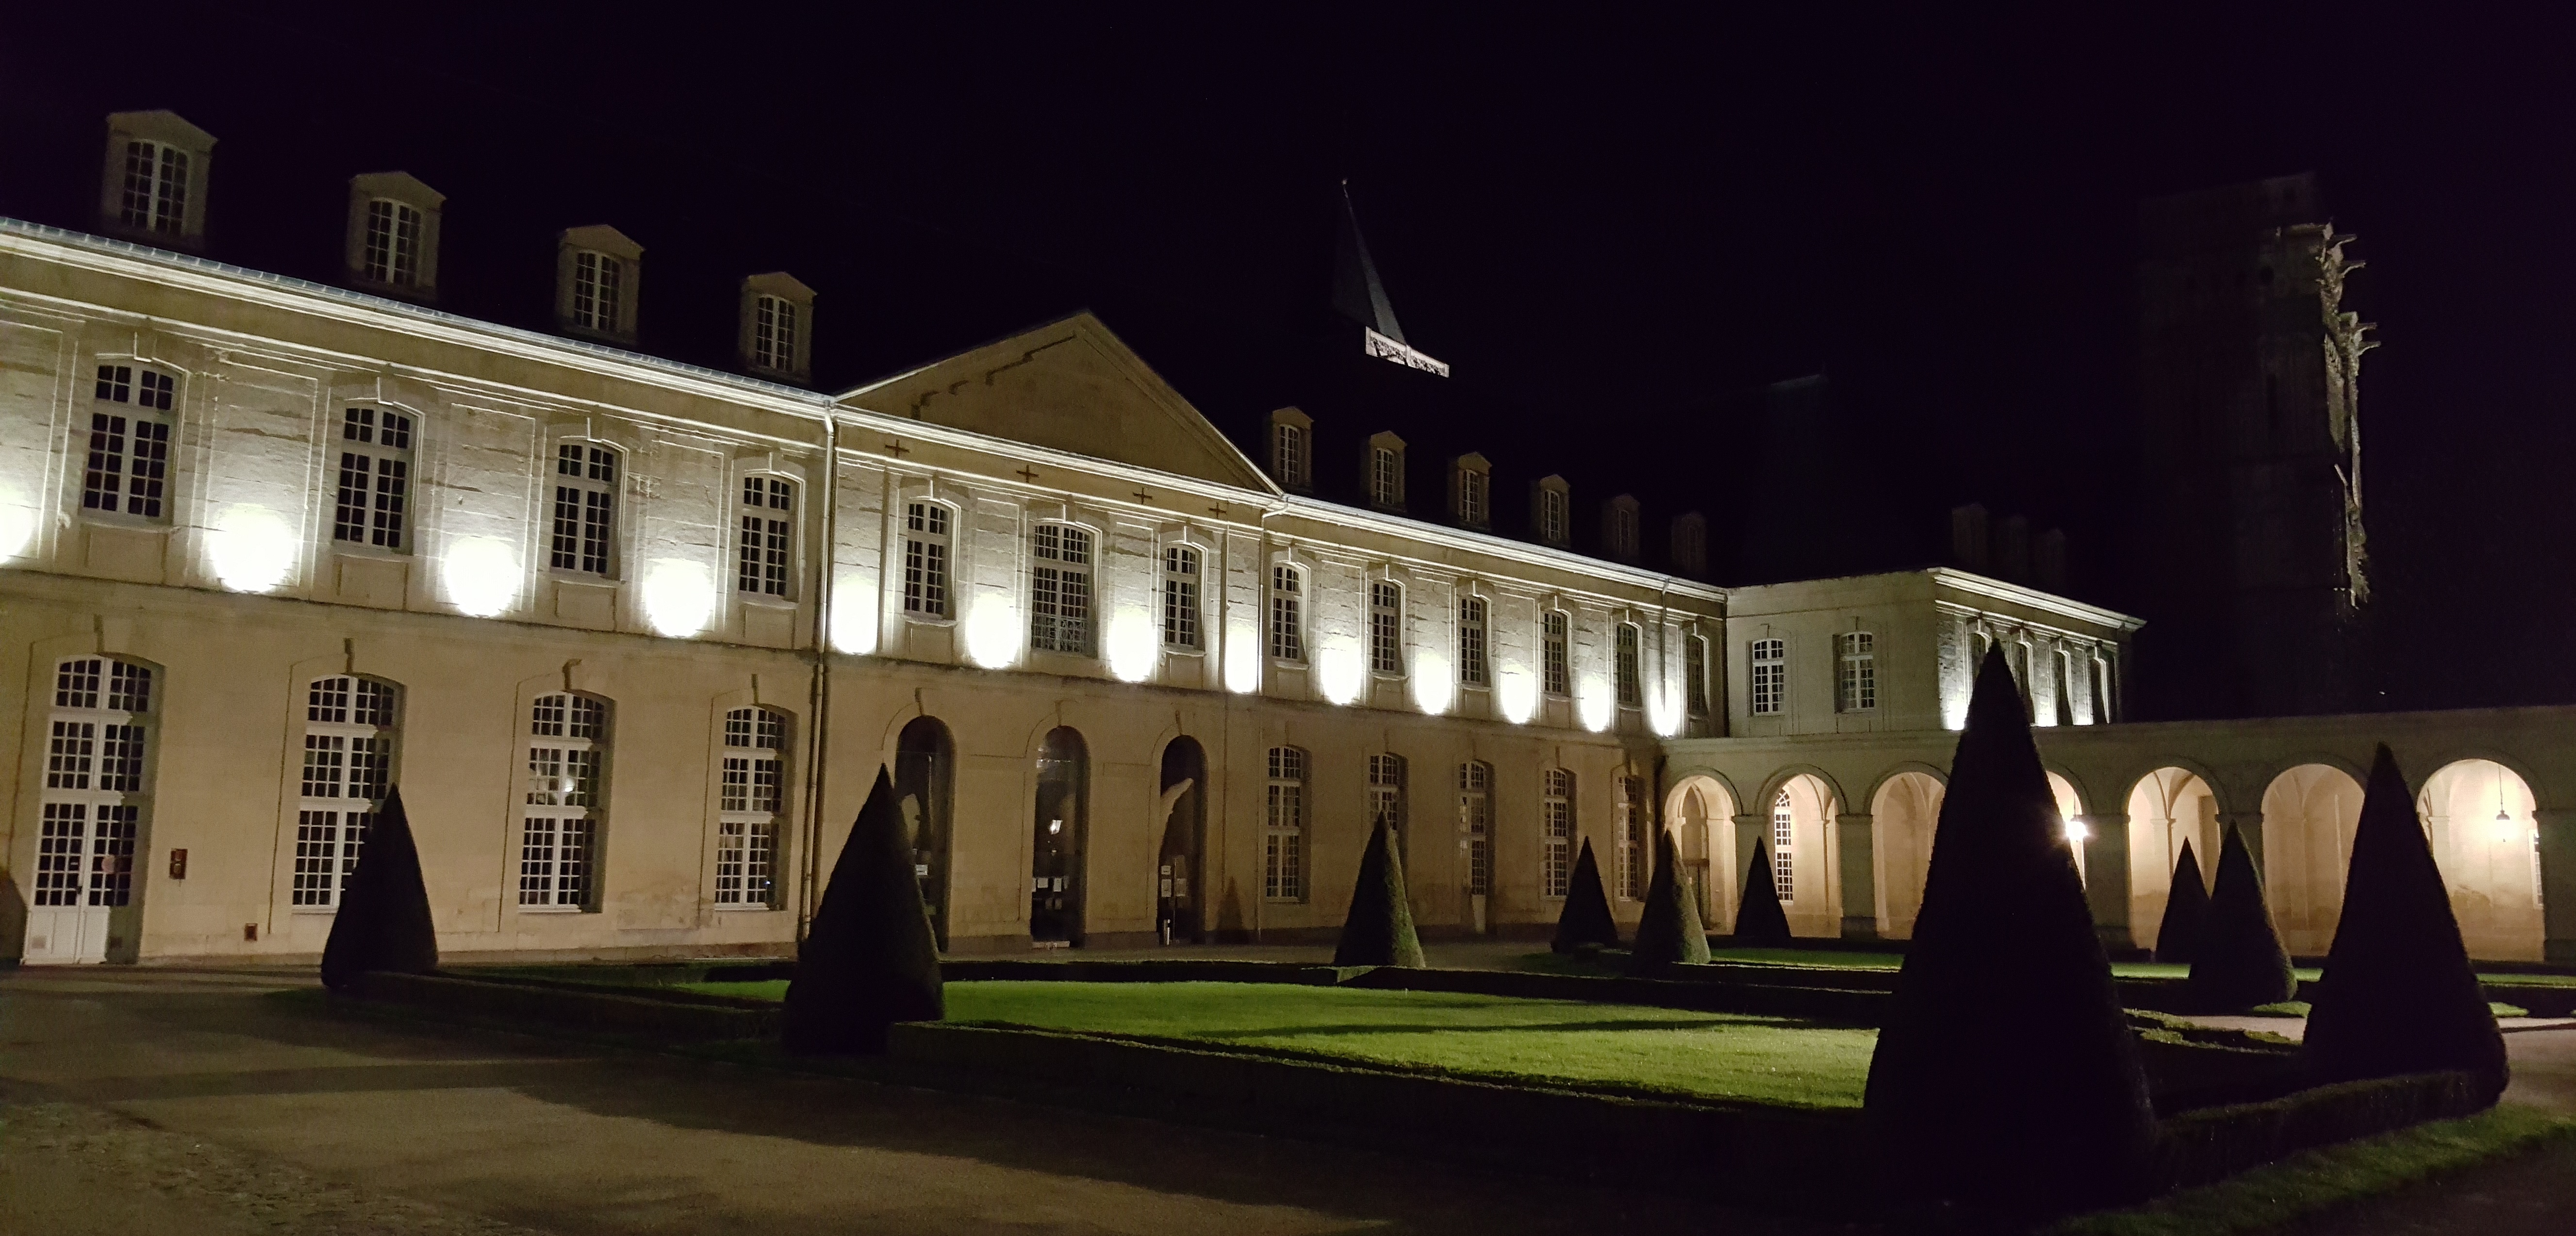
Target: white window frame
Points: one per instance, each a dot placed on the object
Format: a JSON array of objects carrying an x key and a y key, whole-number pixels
[
  {"x": 598, "y": 288},
  {"x": 126, "y": 465},
  {"x": 1184, "y": 566},
  {"x": 1386, "y": 628},
  {"x": 1695, "y": 700},
  {"x": 1556, "y": 653},
  {"x": 765, "y": 532},
  {"x": 566, "y": 750},
  {"x": 97, "y": 790},
  {"x": 155, "y": 198},
  {"x": 1288, "y": 454},
  {"x": 1386, "y": 476},
  {"x": 1474, "y": 668},
  {"x": 1628, "y": 826},
  {"x": 1475, "y": 497},
  {"x": 1628, "y": 655},
  {"x": 1769, "y": 696},
  {"x": 1476, "y": 825},
  {"x": 1287, "y": 631},
  {"x": 1623, "y": 530},
  {"x": 582, "y": 513},
  {"x": 1386, "y": 793},
  {"x": 1283, "y": 863},
  {"x": 1784, "y": 845},
  {"x": 1552, "y": 503},
  {"x": 929, "y": 559},
  {"x": 352, "y": 738},
  {"x": 773, "y": 333},
  {"x": 390, "y": 254},
  {"x": 1062, "y": 558},
  {"x": 372, "y": 502},
  {"x": 751, "y": 808},
  {"x": 1556, "y": 832},
  {"x": 1856, "y": 672}
]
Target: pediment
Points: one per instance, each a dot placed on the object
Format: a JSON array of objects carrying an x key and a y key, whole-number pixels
[{"x": 1072, "y": 386}]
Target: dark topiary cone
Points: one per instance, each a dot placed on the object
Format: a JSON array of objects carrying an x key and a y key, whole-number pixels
[
  {"x": 1670, "y": 933},
  {"x": 2239, "y": 962},
  {"x": 868, "y": 960},
  {"x": 2186, "y": 911},
  {"x": 2398, "y": 994},
  {"x": 1379, "y": 928},
  {"x": 1586, "y": 916},
  {"x": 2006, "y": 1078},
  {"x": 1760, "y": 921},
  {"x": 383, "y": 922}
]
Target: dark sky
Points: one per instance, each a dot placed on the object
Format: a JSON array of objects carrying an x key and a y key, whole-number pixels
[{"x": 1612, "y": 231}]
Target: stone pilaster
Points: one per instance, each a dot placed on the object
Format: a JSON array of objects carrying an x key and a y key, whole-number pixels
[
  {"x": 2558, "y": 883},
  {"x": 2106, "y": 877},
  {"x": 1860, "y": 876}
]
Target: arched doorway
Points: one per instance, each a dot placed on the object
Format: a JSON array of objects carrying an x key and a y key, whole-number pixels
[
  {"x": 2308, "y": 817},
  {"x": 924, "y": 783},
  {"x": 1803, "y": 851},
  {"x": 2070, "y": 809},
  {"x": 1903, "y": 816},
  {"x": 1703, "y": 816},
  {"x": 1056, "y": 851},
  {"x": 1179, "y": 883},
  {"x": 2478, "y": 815},
  {"x": 2166, "y": 808}
]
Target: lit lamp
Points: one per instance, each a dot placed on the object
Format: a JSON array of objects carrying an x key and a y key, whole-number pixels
[{"x": 2076, "y": 833}]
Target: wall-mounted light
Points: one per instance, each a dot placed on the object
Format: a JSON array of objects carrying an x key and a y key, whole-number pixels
[
  {"x": 2076, "y": 833},
  {"x": 251, "y": 548},
  {"x": 482, "y": 576},
  {"x": 679, "y": 596}
]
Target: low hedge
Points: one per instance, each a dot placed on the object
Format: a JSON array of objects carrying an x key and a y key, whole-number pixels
[
  {"x": 2203, "y": 1146},
  {"x": 677, "y": 1016},
  {"x": 2539, "y": 999},
  {"x": 1859, "y": 1008},
  {"x": 1146, "y": 971}
]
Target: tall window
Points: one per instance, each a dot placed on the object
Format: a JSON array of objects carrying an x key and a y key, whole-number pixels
[
  {"x": 1471, "y": 641},
  {"x": 567, "y": 797},
  {"x": 1770, "y": 676},
  {"x": 585, "y": 527},
  {"x": 1551, "y": 516},
  {"x": 925, "y": 559},
  {"x": 1386, "y": 793},
  {"x": 1556, "y": 654},
  {"x": 1622, "y": 530},
  {"x": 1856, "y": 683},
  {"x": 393, "y": 243},
  {"x": 1181, "y": 596},
  {"x": 1060, "y": 590},
  {"x": 773, "y": 334},
  {"x": 768, "y": 529},
  {"x": 2017, "y": 659},
  {"x": 1695, "y": 675},
  {"x": 156, "y": 188},
  {"x": 1288, "y": 455},
  {"x": 1287, "y": 614},
  {"x": 1632, "y": 678},
  {"x": 1283, "y": 865},
  {"x": 1386, "y": 627},
  {"x": 1475, "y": 502},
  {"x": 1556, "y": 832},
  {"x": 2106, "y": 689},
  {"x": 597, "y": 282},
  {"x": 1476, "y": 824},
  {"x": 129, "y": 442},
  {"x": 1386, "y": 477},
  {"x": 2065, "y": 681},
  {"x": 750, "y": 801},
  {"x": 95, "y": 787},
  {"x": 349, "y": 729},
  {"x": 1628, "y": 801},
  {"x": 1784, "y": 836},
  {"x": 373, "y": 504}
]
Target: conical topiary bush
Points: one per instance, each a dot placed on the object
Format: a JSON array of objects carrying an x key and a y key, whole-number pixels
[
  {"x": 2186, "y": 911},
  {"x": 1379, "y": 929},
  {"x": 2239, "y": 962},
  {"x": 1760, "y": 920},
  {"x": 1670, "y": 932},
  {"x": 2398, "y": 994},
  {"x": 2006, "y": 1077},
  {"x": 383, "y": 922},
  {"x": 1586, "y": 916},
  {"x": 868, "y": 960}
]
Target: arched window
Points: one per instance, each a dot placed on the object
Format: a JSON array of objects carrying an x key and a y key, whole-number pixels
[
  {"x": 1770, "y": 659},
  {"x": 1386, "y": 628},
  {"x": 568, "y": 739},
  {"x": 1386, "y": 793},
  {"x": 1556, "y": 831},
  {"x": 1557, "y": 654},
  {"x": 766, "y": 555},
  {"x": 1476, "y": 823},
  {"x": 1287, "y": 613},
  {"x": 1060, "y": 589},
  {"x": 1856, "y": 684},
  {"x": 750, "y": 802},
  {"x": 1180, "y": 596},
  {"x": 374, "y": 499},
  {"x": 96, "y": 787},
  {"x": 1283, "y": 864},
  {"x": 1628, "y": 799},
  {"x": 350, "y": 724},
  {"x": 925, "y": 559},
  {"x": 127, "y": 469},
  {"x": 1632, "y": 678},
  {"x": 1471, "y": 641},
  {"x": 584, "y": 538},
  {"x": 1784, "y": 836}
]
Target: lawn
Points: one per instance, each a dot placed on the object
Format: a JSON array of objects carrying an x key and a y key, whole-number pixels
[{"x": 1592, "y": 1046}]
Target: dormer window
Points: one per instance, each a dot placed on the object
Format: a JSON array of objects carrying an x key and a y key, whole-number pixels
[
  {"x": 1551, "y": 502},
  {"x": 1619, "y": 528},
  {"x": 154, "y": 187},
  {"x": 1471, "y": 492},
  {"x": 777, "y": 326},
  {"x": 393, "y": 233},
  {"x": 1386, "y": 472},
  {"x": 1690, "y": 545},
  {"x": 597, "y": 271},
  {"x": 1292, "y": 449}
]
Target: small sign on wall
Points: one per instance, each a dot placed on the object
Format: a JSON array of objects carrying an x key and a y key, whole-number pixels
[{"x": 178, "y": 864}]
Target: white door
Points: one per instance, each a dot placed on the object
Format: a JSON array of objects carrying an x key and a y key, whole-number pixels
[{"x": 84, "y": 873}]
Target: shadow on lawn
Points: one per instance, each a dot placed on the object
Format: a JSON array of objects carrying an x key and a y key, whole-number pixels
[{"x": 1381, "y": 1028}]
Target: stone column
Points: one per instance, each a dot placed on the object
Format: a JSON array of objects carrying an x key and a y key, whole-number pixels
[
  {"x": 2250, "y": 824},
  {"x": 2106, "y": 877},
  {"x": 2558, "y": 883},
  {"x": 1860, "y": 879}
]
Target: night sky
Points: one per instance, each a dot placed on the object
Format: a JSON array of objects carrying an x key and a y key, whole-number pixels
[{"x": 1616, "y": 233}]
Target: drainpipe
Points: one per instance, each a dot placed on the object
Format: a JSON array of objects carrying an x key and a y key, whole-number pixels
[{"x": 819, "y": 702}]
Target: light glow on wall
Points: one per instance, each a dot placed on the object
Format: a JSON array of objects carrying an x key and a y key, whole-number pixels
[
  {"x": 1135, "y": 646},
  {"x": 1435, "y": 686},
  {"x": 17, "y": 527},
  {"x": 1338, "y": 673},
  {"x": 993, "y": 632},
  {"x": 1242, "y": 659},
  {"x": 2076, "y": 832},
  {"x": 1663, "y": 712},
  {"x": 482, "y": 577},
  {"x": 679, "y": 596},
  {"x": 854, "y": 615},
  {"x": 1516, "y": 691},
  {"x": 251, "y": 548},
  {"x": 1592, "y": 703}
]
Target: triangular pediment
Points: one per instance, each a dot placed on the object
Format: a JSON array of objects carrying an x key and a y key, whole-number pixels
[{"x": 1072, "y": 386}]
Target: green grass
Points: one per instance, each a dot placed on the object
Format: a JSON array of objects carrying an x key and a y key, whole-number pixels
[
  {"x": 1595, "y": 1046},
  {"x": 2316, "y": 1180}
]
